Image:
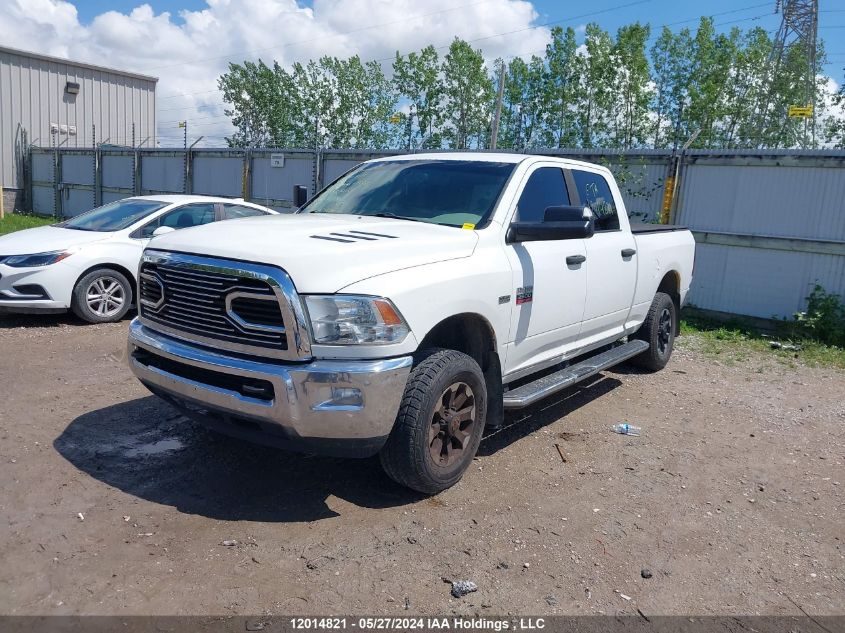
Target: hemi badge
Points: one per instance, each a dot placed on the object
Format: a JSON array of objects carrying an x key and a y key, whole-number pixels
[
  {"x": 524, "y": 295},
  {"x": 504, "y": 299}
]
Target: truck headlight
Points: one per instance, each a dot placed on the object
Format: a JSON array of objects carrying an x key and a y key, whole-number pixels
[
  {"x": 35, "y": 259},
  {"x": 354, "y": 320}
]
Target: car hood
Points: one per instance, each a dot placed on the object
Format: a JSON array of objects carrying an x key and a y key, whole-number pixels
[
  {"x": 324, "y": 252},
  {"x": 45, "y": 239}
]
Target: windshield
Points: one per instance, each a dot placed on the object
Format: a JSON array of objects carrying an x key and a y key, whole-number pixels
[
  {"x": 448, "y": 192},
  {"x": 114, "y": 216}
]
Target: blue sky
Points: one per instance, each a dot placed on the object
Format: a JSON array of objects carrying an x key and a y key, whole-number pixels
[
  {"x": 741, "y": 13},
  {"x": 188, "y": 54}
]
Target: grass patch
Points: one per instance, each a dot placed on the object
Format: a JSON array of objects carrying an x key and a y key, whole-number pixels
[
  {"x": 737, "y": 341},
  {"x": 19, "y": 221}
]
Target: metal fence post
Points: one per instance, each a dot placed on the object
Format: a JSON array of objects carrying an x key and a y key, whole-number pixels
[
  {"x": 246, "y": 175},
  {"x": 98, "y": 177},
  {"x": 57, "y": 183},
  {"x": 319, "y": 158},
  {"x": 188, "y": 171}
]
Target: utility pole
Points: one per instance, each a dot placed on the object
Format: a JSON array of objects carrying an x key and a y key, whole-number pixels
[
  {"x": 494, "y": 139},
  {"x": 798, "y": 29}
]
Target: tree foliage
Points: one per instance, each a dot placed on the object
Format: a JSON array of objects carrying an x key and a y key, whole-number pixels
[{"x": 609, "y": 91}]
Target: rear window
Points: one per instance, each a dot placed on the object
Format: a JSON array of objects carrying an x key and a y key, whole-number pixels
[
  {"x": 235, "y": 211},
  {"x": 595, "y": 193}
]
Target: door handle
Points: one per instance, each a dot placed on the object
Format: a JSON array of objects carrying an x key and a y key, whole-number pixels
[
  {"x": 572, "y": 260},
  {"x": 629, "y": 252}
]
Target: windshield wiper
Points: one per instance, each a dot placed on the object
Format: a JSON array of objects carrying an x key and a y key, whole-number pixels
[{"x": 397, "y": 217}]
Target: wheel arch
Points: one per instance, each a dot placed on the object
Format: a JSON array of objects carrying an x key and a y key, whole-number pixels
[
  {"x": 474, "y": 335},
  {"x": 469, "y": 333},
  {"x": 130, "y": 276},
  {"x": 671, "y": 285}
]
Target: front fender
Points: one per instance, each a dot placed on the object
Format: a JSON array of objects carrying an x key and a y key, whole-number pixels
[{"x": 427, "y": 295}]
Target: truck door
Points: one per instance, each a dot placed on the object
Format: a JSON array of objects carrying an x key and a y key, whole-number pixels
[
  {"x": 548, "y": 293},
  {"x": 611, "y": 261}
]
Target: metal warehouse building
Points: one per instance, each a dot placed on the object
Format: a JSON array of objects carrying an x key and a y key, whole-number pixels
[{"x": 51, "y": 102}]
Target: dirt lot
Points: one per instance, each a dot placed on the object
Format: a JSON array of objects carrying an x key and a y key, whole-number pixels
[{"x": 113, "y": 504}]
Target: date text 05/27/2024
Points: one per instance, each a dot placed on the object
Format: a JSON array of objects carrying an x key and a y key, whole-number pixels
[{"x": 417, "y": 623}]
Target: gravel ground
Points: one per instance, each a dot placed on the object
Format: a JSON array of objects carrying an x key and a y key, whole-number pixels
[{"x": 732, "y": 498}]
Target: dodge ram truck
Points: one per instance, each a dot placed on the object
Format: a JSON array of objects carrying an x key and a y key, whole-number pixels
[{"x": 406, "y": 306}]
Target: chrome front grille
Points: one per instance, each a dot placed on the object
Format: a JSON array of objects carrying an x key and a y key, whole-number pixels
[{"x": 247, "y": 308}]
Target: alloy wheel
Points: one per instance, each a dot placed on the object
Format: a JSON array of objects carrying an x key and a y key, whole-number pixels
[
  {"x": 105, "y": 296},
  {"x": 452, "y": 424},
  {"x": 664, "y": 331}
]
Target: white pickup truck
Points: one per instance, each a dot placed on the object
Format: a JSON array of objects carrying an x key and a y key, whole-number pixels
[{"x": 406, "y": 306}]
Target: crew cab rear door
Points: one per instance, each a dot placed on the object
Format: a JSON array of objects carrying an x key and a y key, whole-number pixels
[
  {"x": 548, "y": 292},
  {"x": 611, "y": 258}
]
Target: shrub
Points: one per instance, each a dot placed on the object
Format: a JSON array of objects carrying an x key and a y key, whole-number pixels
[{"x": 824, "y": 319}]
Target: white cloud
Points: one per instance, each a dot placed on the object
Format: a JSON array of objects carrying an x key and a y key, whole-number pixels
[{"x": 189, "y": 54}]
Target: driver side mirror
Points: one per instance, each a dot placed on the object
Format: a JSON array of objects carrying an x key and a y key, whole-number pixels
[
  {"x": 559, "y": 223},
  {"x": 163, "y": 230}
]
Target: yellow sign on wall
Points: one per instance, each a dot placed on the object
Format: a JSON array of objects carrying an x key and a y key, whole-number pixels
[{"x": 800, "y": 111}]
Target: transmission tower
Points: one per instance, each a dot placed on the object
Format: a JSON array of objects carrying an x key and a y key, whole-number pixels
[{"x": 798, "y": 29}]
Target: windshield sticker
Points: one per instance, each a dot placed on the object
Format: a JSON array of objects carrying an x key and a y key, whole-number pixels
[{"x": 468, "y": 226}]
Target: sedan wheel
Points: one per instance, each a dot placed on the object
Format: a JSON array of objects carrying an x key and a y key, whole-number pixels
[
  {"x": 102, "y": 296},
  {"x": 105, "y": 296}
]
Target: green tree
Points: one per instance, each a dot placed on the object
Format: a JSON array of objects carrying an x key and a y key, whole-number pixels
[
  {"x": 261, "y": 105},
  {"x": 562, "y": 86},
  {"x": 632, "y": 90},
  {"x": 744, "y": 89},
  {"x": 417, "y": 78},
  {"x": 523, "y": 108},
  {"x": 596, "y": 89},
  {"x": 468, "y": 92},
  {"x": 712, "y": 58},
  {"x": 834, "y": 125},
  {"x": 362, "y": 101},
  {"x": 672, "y": 59}
]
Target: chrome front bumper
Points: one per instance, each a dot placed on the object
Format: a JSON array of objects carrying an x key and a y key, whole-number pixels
[{"x": 325, "y": 406}]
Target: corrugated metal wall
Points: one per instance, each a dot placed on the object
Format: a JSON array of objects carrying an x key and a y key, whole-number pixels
[
  {"x": 769, "y": 225},
  {"x": 33, "y": 96}
]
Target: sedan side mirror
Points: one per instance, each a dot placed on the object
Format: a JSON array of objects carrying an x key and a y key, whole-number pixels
[
  {"x": 163, "y": 230},
  {"x": 300, "y": 195},
  {"x": 559, "y": 223}
]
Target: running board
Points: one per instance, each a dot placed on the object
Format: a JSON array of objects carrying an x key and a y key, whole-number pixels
[{"x": 531, "y": 392}]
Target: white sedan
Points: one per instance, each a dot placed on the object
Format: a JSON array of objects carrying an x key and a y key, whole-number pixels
[{"x": 89, "y": 263}]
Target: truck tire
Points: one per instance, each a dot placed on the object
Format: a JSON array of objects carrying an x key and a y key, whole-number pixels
[
  {"x": 440, "y": 422},
  {"x": 658, "y": 330},
  {"x": 102, "y": 296}
]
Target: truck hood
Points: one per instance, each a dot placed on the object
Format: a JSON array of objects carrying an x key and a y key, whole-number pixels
[
  {"x": 45, "y": 239},
  {"x": 323, "y": 253}
]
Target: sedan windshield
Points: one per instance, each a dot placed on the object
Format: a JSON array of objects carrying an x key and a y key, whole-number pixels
[
  {"x": 114, "y": 216},
  {"x": 448, "y": 192}
]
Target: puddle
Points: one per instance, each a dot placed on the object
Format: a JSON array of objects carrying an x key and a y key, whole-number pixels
[{"x": 155, "y": 448}]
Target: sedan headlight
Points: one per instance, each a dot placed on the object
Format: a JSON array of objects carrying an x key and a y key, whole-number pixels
[
  {"x": 36, "y": 259},
  {"x": 355, "y": 320}
]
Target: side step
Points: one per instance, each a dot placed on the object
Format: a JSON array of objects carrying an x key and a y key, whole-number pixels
[{"x": 531, "y": 392}]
